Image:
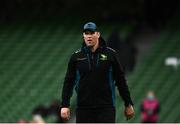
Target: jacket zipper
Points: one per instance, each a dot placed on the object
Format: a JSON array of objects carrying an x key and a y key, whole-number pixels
[
  {"x": 89, "y": 62},
  {"x": 97, "y": 62},
  {"x": 92, "y": 62}
]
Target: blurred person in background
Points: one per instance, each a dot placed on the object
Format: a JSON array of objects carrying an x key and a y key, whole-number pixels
[
  {"x": 37, "y": 119},
  {"x": 40, "y": 110},
  {"x": 22, "y": 121},
  {"x": 53, "y": 110},
  {"x": 150, "y": 108},
  {"x": 95, "y": 70}
]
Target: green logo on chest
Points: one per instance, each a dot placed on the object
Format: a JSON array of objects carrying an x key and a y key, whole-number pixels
[{"x": 103, "y": 57}]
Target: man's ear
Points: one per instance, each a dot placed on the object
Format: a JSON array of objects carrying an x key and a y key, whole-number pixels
[{"x": 98, "y": 33}]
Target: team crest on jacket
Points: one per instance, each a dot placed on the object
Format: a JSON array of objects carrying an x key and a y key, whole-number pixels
[{"x": 103, "y": 57}]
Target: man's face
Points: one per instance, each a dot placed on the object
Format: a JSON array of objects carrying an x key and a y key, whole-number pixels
[{"x": 91, "y": 38}]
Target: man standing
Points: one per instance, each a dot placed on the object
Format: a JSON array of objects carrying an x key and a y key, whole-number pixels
[{"x": 94, "y": 71}]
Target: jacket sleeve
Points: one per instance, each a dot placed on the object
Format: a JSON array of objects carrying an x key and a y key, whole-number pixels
[
  {"x": 120, "y": 81},
  {"x": 69, "y": 82}
]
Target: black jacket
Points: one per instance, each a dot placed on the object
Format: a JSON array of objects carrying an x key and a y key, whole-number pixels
[{"x": 95, "y": 76}]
